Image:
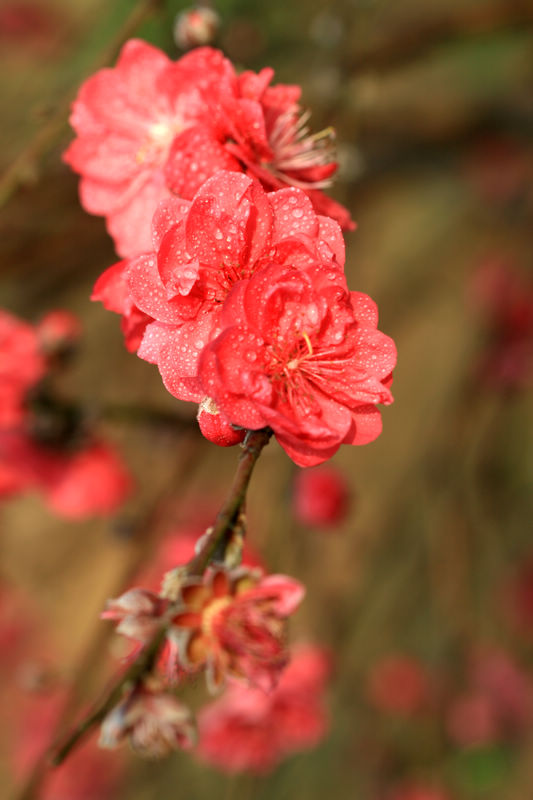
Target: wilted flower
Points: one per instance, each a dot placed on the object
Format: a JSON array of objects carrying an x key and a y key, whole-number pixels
[
  {"x": 235, "y": 624},
  {"x": 154, "y": 723}
]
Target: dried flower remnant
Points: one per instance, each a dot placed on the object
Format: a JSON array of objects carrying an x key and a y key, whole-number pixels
[
  {"x": 235, "y": 624},
  {"x": 154, "y": 723},
  {"x": 320, "y": 497},
  {"x": 250, "y": 730},
  {"x": 150, "y": 127}
]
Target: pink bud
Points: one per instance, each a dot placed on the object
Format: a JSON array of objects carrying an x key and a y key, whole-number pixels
[{"x": 196, "y": 27}]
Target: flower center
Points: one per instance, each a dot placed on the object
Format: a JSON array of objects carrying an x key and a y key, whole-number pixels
[
  {"x": 211, "y": 611},
  {"x": 296, "y": 149}
]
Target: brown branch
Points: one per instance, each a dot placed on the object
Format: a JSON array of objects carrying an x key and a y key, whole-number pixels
[{"x": 229, "y": 514}]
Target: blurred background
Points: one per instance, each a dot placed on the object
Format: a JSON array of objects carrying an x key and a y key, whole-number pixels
[{"x": 420, "y": 588}]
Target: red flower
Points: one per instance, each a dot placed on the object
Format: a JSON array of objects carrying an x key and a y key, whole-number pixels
[
  {"x": 22, "y": 365},
  {"x": 111, "y": 289},
  {"x": 234, "y": 623},
  {"x": 150, "y": 126},
  {"x": 78, "y": 484},
  {"x": 320, "y": 497},
  {"x": 248, "y": 729},
  {"x": 231, "y": 230},
  {"x": 302, "y": 355},
  {"x": 91, "y": 481}
]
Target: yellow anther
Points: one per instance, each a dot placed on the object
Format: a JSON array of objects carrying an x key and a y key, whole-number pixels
[{"x": 308, "y": 343}]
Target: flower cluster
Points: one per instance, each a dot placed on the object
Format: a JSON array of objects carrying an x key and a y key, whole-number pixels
[
  {"x": 151, "y": 128},
  {"x": 230, "y": 623},
  {"x": 233, "y": 278},
  {"x": 42, "y": 445}
]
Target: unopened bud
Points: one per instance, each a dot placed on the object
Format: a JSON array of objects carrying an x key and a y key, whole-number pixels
[{"x": 196, "y": 27}]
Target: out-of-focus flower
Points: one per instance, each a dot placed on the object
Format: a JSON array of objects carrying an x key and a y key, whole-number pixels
[
  {"x": 78, "y": 484},
  {"x": 472, "y": 720},
  {"x": 22, "y": 365},
  {"x": 58, "y": 332},
  {"x": 154, "y": 723},
  {"x": 505, "y": 298},
  {"x": 250, "y": 730},
  {"x": 320, "y": 497},
  {"x": 151, "y": 127},
  {"x": 138, "y": 613},
  {"x": 398, "y": 684},
  {"x": 235, "y": 624},
  {"x": 195, "y": 27},
  {"x": 93, "y": 480},
  {"x": 497, "y": 704}
]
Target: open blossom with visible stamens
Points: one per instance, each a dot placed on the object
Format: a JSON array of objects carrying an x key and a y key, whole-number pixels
[
  {"x": 230, "y": 230},
  {"x": 234, "y": 624},
  {"x": 300, "y": 354},
  {"x": 151, "y": 127}
]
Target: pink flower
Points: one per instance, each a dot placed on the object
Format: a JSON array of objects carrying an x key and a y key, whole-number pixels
[
  {"x": 111, "y": 289},
  {"x": 234, "y": 623},
  {"x": 320, "y": 497},
  {"x": 300, "y": 354},
  {"x": 248, "y": 729},
  {"x": 399, "y": 685},
  {"x": 151, "y": 126},
  {"x": 153, "y": 722},
  {"x": 22, "y": 365},
  {"x": 91, "y": 481},
  {"x": 230, "y": 230}
]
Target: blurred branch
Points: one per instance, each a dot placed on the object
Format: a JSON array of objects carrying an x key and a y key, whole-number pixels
[{"x": 25, "y": 163}]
